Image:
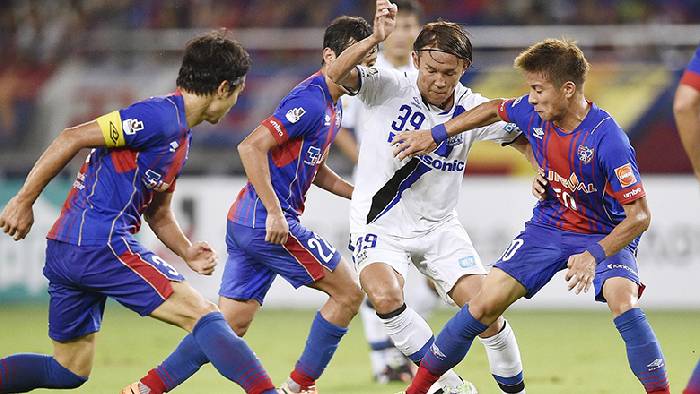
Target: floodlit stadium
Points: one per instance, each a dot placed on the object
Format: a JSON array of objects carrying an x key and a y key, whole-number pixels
[{"x": 68, "y": 63}]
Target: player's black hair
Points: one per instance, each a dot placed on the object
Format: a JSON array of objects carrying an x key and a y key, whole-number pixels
[
  {"x": 345, "y": 31},
  {"x": 446, "y": 37},
  {"x": 210, "y": 59},
  {"x": 409, "y": 7},
  {"x": 559, "y": 61}
]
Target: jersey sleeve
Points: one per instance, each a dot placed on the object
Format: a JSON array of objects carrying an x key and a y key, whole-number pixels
[
  {"x": 138, "y": 126},
  {"x": 376, "y": 84},
  {"x": 691, "y": 75},
  {"x": 296, "y": 116},
  {"x": 350, "y": 110},
  {"x": 518, "y": 111},
  {"x": 501, "y": 132},
  {"x": 617, "y": 160}
]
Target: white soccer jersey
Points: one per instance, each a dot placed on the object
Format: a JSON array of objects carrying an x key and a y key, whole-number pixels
[
  {"x": 354, "y": 111},
  {"x": 407, "y": 199}
]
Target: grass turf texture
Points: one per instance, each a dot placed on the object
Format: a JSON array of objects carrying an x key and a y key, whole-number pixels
[{"x": 563, "y": 351}]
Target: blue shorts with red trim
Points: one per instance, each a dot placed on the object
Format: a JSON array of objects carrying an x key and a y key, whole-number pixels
[
  {"x": 539, "y": 252},
  {"x": 253, "y": 263},
  {"x": 82, "y": 277}
]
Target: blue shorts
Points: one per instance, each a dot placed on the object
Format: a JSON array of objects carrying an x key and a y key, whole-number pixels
[
  {"x": 253, "y": 263},
  {"x": 538, "y": 253},
  {"x": 81, "y": 278}
]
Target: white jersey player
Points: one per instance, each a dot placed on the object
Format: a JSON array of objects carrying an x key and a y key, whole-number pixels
[{"x": 404, "y": 211}]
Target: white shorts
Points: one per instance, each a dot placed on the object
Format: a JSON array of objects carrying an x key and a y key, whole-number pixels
[{"x": 445, "y": 254}]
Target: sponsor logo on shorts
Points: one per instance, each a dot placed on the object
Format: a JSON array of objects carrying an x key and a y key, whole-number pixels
[
  {"x": 625, "y": 175},
  {"x": 621, "y": 266},
  {"x": 467, "y": 262}
]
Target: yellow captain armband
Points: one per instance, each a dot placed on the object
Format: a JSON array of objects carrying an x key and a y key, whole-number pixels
[{"x": 111, "y": 126}]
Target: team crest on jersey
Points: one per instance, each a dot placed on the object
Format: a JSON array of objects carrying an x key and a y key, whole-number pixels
[
  {"x": 313, "y": 156},
  {"x": 293, "y": 115},
  {"x": 585, "y": 154},
  {"x": 131, "y": 126},
  {"x": 625, "y": 175}
]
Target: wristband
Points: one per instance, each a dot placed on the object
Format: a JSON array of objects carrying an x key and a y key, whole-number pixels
[
  {"x": 439, "y": 133},
  {"x": 597, "y": 251}
]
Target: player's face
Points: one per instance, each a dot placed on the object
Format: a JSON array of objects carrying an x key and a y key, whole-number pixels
[
  {"x": 438, "y": 74},
  {"x": 549, "y": 101},
  {"x": 400, "y": 42},
  {"x": 222, "y": 103}
]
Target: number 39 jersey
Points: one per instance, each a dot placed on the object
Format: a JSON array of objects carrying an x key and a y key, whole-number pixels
[
  {"x": 411, "y": 197},
  {"x": 592, "y": 170}
]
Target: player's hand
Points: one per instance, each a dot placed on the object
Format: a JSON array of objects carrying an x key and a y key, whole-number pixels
[
  {"x": 539, "y": 186},
  {"x": 581, "y": 272},
  {"x": 412, "y": 143},
  {"x": 201, "y": 258},
  {"x": 276, "y": 228},
  {"x": 17, "y": 218},
  {"x": 384, "y": 20}
]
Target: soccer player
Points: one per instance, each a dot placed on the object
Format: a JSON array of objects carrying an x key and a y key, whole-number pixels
[
  {"x": 686, "y": 108},
  {"x": 91, "y": 254},
  {"x": 387, "y": 362},
  {"x": 591, "y": 223},
  {"x": 402, "y": 211},
  {"x": 282, "y": 158}
]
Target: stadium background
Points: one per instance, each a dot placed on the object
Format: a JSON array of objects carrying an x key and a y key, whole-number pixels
[{"x": 68, "y": 61}]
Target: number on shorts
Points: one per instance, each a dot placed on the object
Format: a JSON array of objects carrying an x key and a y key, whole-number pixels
[
  {"x": 512, "y": 248},
  {"x": 325, "y": 253},
  {"x": 159, "y": 261}
]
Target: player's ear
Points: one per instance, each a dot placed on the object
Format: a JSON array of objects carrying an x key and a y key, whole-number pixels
[
  {"x": 328, "y": 56},
  {"x": 223, "y": 89},
  {"x": 569, "y": 88},
  {"x": 416, "y": 59}
]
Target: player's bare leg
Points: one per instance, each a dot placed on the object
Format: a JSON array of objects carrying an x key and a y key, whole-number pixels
[
  {"x": 643, "y": 349},
  {"x": 239, "y": 313},
  {"x": 499, "y": 291},
  {"x": 327, "y": 329},
  {"x": 410, "y": 333},
  {"x": 211, "y": 339},
  {"x": 498, "y": 339},
  {"x": 76, "y": 355}
]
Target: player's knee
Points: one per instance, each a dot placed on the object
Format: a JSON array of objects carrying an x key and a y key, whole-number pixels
[
  {"x": 484, "y": 311},
  {"x": 619, "y": 307},
  {"x": 350, "y": 299},
  {"x": 386, "y": 300}
]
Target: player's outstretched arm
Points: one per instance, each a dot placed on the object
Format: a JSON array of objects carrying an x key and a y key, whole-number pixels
[
  {"x": 161, "y": 219},
  {"x": 686, "y": 109},
  {"x": 327, "y": 179},
  {"x": 582, "y": 266},
  {"x": 412, "y": 143},
  {"x": 253, "y": 152},
  {"x": 17, "y": 218},
  {"x": 342, "y": 70}
]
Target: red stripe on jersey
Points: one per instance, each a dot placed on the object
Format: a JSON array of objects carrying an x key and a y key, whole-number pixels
[
  {"x": 67, "y": 204},
  {"x": 234, "y": 206},
  {"x": 691, "y": 79},
  {"x": 178, "y": 160},
  {"x": 160, "y": 283},
  {"x": 502, "y": 110},
  {"x": 124, "y": 160},
  {"x": 286, "y": 153},
  {"x": 305, "y": 258},
  {"x": 276, "y": 129}
]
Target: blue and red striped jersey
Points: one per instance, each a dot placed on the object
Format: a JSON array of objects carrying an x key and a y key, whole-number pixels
[
  {"x": 592, "y": 169},
  {"x": 146, "y": 146},
  {"x": 304, "y": 125},
  {"x": 691, "y": 75}
]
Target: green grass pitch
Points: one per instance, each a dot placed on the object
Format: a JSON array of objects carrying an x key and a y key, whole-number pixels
[{"x": 563, "y": 351}]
